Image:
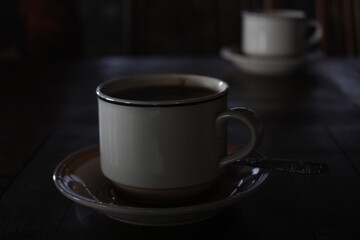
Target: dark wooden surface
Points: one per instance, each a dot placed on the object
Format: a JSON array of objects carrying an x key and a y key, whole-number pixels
[{"x": 50, "y": 111}]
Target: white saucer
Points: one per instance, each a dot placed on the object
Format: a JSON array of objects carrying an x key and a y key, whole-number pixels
[
  {"x": 261, "y": 66},
  {"x": 80, "y": 179}
]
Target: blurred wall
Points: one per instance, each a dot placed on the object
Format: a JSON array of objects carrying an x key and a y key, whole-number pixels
[
  {"x": 58, "y": 29},
  {"x": 168, "y": 27},
  {"x": 39, "y": 29}
]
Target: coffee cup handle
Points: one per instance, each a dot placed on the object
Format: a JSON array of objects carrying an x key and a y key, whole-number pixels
[
  {"x": 253, "y": 123},
  {"x": 317, "y": 34}
]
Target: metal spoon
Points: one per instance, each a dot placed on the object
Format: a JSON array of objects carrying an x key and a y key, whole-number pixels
[{"x": 285, "y": 165}]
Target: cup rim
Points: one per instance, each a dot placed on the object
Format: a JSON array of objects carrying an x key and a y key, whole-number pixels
[
  {"x": 283, "y": 14},
  {"x": 104, "y": 89}
]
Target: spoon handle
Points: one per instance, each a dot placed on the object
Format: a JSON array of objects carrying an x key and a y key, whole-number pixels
[{"x": 285, "y": 165}]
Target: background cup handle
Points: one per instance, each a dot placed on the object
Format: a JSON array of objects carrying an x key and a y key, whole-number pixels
[
  {"x": 256, "y": 131},
  {"x": 317, "y": 34}
]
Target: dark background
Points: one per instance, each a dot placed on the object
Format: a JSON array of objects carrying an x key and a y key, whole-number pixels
[
  {"x": 49, "y": 112},
  {"x": 58, "y": 29}
]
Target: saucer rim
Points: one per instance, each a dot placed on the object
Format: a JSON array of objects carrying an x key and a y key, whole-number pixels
[
  {"x": 162, "y": 211},
  {"x": 228, "y": 53}
]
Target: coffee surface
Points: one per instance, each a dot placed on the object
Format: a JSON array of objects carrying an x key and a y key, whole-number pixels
[{"x": 162, "y": 93}]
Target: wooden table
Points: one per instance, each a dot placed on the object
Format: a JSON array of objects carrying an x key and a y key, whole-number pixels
[{"x": 50, "y": 111}]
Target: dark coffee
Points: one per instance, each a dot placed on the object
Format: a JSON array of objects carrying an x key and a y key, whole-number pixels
[{"x": 162, "y": 93}]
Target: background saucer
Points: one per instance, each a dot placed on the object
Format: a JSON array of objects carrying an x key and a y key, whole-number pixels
[
  {"x": 262, "y": 66},
  {"x": 80, "y": 179}
]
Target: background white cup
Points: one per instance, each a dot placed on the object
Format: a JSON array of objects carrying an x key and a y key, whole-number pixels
[
  {"x": 168, "y": 151},
  {"x": 278, "y": 33}
]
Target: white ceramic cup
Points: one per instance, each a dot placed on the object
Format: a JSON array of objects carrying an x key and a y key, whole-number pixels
[
  {"x": 279, "y": 33},
  {"x": 168, "y": 151}
]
